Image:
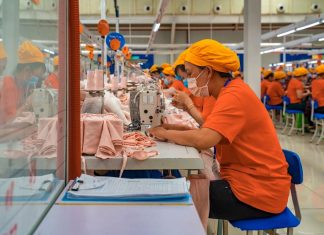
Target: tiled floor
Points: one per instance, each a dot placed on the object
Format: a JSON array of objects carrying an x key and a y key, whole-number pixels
[{"x": 311, "y": 192}]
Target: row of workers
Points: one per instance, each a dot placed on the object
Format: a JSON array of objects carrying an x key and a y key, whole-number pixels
[
  {"x": 296, "y": 90},
  {"x": 30, "y": 73},
  {"x": 254, "y": 178}
]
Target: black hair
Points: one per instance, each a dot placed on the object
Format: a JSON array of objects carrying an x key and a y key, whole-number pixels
[
  {"x": 221, "y": 74},
  {"x": 181, "y": 67},
  {"x": 269, "y": 75},
  {"x": 32, "y": 66}
]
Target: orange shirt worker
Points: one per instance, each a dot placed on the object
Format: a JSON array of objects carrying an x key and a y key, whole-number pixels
[
  {"x": 52, "y": 80},
  {"x": 318, "y": 89},
  {"x": 255, "y": 182},
  {"x": 275, "y": 90},
  {"x": 267, "y": 79},
  {"x": 296, "y": 89}
]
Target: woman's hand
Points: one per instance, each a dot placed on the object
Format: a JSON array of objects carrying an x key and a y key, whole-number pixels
[
  {"x": 182, "y": 98},
  {"x": 158, "y": 132}
]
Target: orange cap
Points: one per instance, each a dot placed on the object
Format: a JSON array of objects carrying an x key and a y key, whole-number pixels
[
  {"x": 320, "y": 69},
  {"x": 266, "y": 73},
  {"x": 55, "y": 60},
  {"x": 125, "y": 50},
  {"x": 165, "y": 65},
  {"x": 3, "y": 53},
  {"x": 180, "y": 59},
  {"x": 29, "y": 53},
  {"x": 154, "y": 68},
  {"x": 301, "y": 71},
  {"x": 278, "y": 75},
  {"x": 168, "y": 71}
]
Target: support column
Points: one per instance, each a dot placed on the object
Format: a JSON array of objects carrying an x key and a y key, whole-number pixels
[
  {"x": 252, "y": 40},
  {"x": 10, "y": 32}
]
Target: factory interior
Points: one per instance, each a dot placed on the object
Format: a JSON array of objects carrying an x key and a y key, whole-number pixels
[{"x": 155, "y": 117}]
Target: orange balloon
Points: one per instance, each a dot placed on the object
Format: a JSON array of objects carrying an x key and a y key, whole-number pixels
[
  {"x": 103, "y": 27},
  {"x": 114, "y": 44},
  {"x": 90, "y": 55},
  {"x": 128, "y": 56},
  {"x": 81, "y": 28},
  {"x": 36, "y": 2},
  {"x": 125, "y": 50}
]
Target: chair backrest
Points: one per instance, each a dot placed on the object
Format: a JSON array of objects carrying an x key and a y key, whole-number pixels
[
  {"x": 286, "y": 101},
  {"x": 295, "y": 168},
  {"x": 266, "y": 99},
  {"x": 314, "y": 105}
]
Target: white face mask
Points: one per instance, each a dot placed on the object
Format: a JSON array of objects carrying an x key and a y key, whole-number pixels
[{"x": 195, "y": 90}]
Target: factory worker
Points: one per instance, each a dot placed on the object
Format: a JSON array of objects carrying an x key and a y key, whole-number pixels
[
  {"x": 170, "y": 81},
  {"x": 267, "y": 78},
  {"x": 318, "y": 88},
  {"x": 52, "y": 80},
  {"x": 296, "y": 89},
  {"x": 16, "y": 89},
  {"x": 155, "y": 72},
  {"x": 255, "y": 182},
  {"x": 3, "y": 58},
  {"x": 198, "y": 107},
  {"x": 275, "y": 90}
]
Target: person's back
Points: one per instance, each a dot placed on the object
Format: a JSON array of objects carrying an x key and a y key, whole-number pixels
[
  {"x": 264, "y": 87},
  {"x": 293, "y": 86},
  {"x": 52, "y": 81},
  {"x": 258, "y": 172},
  {"x": 9, "y": 99}
]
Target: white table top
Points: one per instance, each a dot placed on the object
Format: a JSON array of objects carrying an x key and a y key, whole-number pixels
[
  {"x": 121, "y": 220},
  {"x": 171, "y": 156}
]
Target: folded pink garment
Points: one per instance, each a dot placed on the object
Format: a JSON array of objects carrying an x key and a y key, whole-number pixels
[
  {"x": 81, "y": 133},
  {"x": 92, "y": 124},
  {"x": 106, "y": 148},
  {"x": 48, "y": 135},
  {"x": 116, "y": 128},
  {"x": 179, "y": 119}
]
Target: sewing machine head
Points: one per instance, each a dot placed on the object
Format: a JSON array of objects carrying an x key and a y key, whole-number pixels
[
  {"x": 44, "y": 102},
  {"x": 146, "y": 107}
]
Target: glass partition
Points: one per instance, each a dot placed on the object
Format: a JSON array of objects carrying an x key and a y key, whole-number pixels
[{"x": 32, "y": 111}]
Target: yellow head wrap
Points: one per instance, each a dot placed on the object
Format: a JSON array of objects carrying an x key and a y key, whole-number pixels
[
  {"x": 165, "y": 65},
  {"x": 266, "y": 73},
  {"x": 154, "y": 68},
  {"x": 301, "y": 71},
  {"x": 56, "y": 61},
  {"x": 3, "y": 53},
  {"x": 278, "y": 75},
  {"x": 168, "y": 71},
  {"x": 320, "y": 69},
  {"x": 180, "y": 59},
  {"x": 289, "y": 73},
  {"x": 211, "y": 53},
  {"x": 236, "y": 74},
  {"x": 29, "y": 53}
]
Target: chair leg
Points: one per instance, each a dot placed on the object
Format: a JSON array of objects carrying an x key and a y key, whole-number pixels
[
  {"x": 225, "y": 227},
  {"x": 249, "y": 232},
  {"x": 260, "y": 232},
  {"x": 292, "y": 125},
  {"x": 303, "y": 124},
  {"x": 290, "y": 231},
  {"x": 220, "y": 227},
  {"x": 322, "y": 133},
  {"x": 315, "y": 132},
  {"x": 286, "y": 125},
  {"x": 280, "y": 118}
]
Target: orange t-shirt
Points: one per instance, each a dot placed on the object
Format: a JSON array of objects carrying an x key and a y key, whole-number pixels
[
  {"x": 198, "y": 102},
  {"x": 10, "y": 96},
  {"x": 264, "y": 87},
  {"x": 208, "y": 106},
  {"x": 293, "y": 86},
  {"x": 179, "y": 86},
  {"x": 275, "y": 92},
  {"x": 52, "y": 81},
  {"x": 250, "y": 156},
  {"x": 318, "y": 91}
]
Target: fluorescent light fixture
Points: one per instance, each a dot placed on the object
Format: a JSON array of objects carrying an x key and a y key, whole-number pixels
[
  {"x": 286, "y": 33},
  {"x": 288, "y": 64},
  {"x": 156, "y": 27},
  {"x": 269, "y": 44},
  {"x": 321, "y": 39},
  {"x": 308, "y": 26},
  {"x": 1, "y": 40},
  {"x": 49, "y": 51},
  {"x": 272, "y": 50},
  {"x": 82, "y": 44}
]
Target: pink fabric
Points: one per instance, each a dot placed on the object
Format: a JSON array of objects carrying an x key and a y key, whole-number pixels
[
  {"x": 91, "y": 133},
  {"x": 114, "y": 83},
  {"x": 26, "y": 117},
  {"x": 211, "y": 166},
  {"x": 99, "y": 79},
  {"x": 141, "y": 154},
  {"x": 91, "y": 84},
  {"x": 179, "y": 119},
  {"x": 106, "y": 147}
]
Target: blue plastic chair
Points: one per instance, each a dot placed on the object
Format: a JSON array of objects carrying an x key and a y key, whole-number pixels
[
  {"x": 285, "y": 219},
  {"x": 291, "y": 115},
  {"x": 318, "y": 119},
  {"x": 271, "y": 108}
]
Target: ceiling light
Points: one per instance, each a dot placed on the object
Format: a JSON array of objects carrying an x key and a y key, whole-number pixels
[
  {"x": 308, "y": 26},
  {"x": 49, "y": 51},
  {"x": 286, "y": 33},
  {"x": 321, "y": 39},
  {"x": 156, "y": 27},
  {"x": 268, "y": 44}
]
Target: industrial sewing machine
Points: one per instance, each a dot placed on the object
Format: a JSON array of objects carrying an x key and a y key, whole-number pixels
[
  {"x": 44, "y": 102},
  {"x": 146, "y": 107}
]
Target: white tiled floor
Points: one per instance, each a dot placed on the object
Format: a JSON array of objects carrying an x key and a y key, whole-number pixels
[{"x": 311, "y": 192}]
